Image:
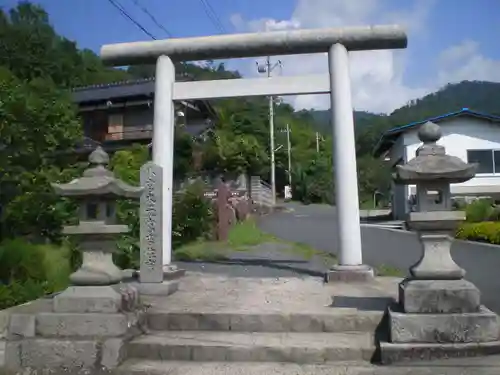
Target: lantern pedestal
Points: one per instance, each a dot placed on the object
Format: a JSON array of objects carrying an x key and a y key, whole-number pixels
[
  {"x": 438, "y": 296},
  {"x": 97, "y": 243}
]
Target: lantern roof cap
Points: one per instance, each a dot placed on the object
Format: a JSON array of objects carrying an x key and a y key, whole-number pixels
[
  {"x": 97, "y": 180},
  {"x": 432, "y": 164}
]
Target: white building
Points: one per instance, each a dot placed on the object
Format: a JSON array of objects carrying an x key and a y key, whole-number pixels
[{"x": 472, "y": 136}]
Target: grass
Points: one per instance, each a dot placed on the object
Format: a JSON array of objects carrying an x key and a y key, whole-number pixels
[
  {"x": 201, "y": 251},
  {"x": 390, "y": 271},
  {"x": 246, "y": 234},
  {"x": 243, "y": 237}
]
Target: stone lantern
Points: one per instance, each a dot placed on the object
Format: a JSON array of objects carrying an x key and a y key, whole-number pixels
[
  {"x": 439, "y": 313},
  {"x": 97, "y": 231}
]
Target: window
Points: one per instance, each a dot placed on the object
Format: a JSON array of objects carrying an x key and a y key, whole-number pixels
[
  {"x": 488, "y": 160},
  {"x": 115, "y": 126}
]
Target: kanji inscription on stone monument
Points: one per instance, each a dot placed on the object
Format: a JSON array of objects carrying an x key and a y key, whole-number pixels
[{"x": 151, "y": 267}]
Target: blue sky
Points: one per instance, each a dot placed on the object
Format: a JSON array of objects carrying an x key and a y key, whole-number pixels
[{"x": 449, "y": 40}]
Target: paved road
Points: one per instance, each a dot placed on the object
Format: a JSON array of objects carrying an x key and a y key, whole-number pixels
[{"x": 315, "y": 225}]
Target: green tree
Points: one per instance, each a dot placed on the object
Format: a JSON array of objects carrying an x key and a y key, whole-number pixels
[
  {"x": 37, "y": 122},
  {"x": 229, "y": 154},
  {"x": 312, "y": 181},
  {"x": 30, "y": 48},
  {"x": 374, "y": 177}
]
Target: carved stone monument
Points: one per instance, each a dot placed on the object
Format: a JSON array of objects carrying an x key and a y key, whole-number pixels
[
  {"x": 155, "y": 278},
  {"x": 151, "y": 269},
  {"x": 439, "y": 313}
]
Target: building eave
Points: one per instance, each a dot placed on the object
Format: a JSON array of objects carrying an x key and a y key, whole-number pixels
[{"x": 390, "y": 136}]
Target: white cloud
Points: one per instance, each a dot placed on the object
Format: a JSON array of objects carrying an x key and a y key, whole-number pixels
[
  {"x": 377, "y": 76},
  {"x": 465, "y": 62}
]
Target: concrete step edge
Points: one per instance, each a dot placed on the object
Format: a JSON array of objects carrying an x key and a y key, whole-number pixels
[
  {"x": 253, "y": 346},
  {"x": 158, "y": 367},
  {"x": 150, "y": 367},
  {"x": 347, "y": 321}
]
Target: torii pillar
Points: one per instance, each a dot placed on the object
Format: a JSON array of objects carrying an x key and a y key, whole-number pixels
[{"x": 336, "y": 42}]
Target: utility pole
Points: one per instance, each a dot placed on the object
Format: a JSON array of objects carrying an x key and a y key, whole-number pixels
[
  {"x": 268, "y": 68},
  {"x": 317, "y": 142},
  {"x": 289, "y": 151},
  {"x": 289, "y": 148}
]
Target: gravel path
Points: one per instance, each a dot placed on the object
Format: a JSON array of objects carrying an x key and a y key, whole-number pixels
[{"x": 271, "y": 259}]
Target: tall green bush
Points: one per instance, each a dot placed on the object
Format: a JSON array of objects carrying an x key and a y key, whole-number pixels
[{"x": 29, "y": 271}]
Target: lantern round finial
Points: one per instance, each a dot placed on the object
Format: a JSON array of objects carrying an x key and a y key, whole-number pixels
[
  {"x": 98, "y": 160},
  {"x": 99, "y": 157},
  {"x": 429, "y": 132}
]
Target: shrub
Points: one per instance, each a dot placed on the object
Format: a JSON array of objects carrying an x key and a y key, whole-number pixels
[
  {"x": 192, "y": 219},
  {"x": 193, "y": 215},
  {"x": 312, "y": 183},
  {"x": 494, "y": 214},
  {"x": 29, "y": 271},
  {"x": 486, "y": 231},
  {"x": 479, "y": 210}
]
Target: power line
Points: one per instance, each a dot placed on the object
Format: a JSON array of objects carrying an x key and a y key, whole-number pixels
[
  {"x": 212, "y": 15},
  {"x": 128, "y": 16},
  {"x": 145, "y": 10},
  {"x": 221, "y": 25}
]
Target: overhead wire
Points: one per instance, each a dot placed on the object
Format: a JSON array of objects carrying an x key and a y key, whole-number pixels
[
  {"x": 125, "y": 14},
  {"x": 212, "y": 15},
  {"x": 153, "y": 18}
]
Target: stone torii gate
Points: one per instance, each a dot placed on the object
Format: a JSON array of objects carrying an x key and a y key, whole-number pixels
[{"x": 336, "y": 42}]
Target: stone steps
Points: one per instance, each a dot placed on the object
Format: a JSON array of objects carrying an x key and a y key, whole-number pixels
[
  {"x": 295, "y": 347},
  {"x": 338, "y": 320},
  {"x": 147, "y": 367}
]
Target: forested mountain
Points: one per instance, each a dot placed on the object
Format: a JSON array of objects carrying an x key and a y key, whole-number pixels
[
  {"x": 477, "y": 95},
  {"x": 322, "y": 119}
]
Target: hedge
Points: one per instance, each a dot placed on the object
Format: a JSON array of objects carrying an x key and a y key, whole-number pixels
[{"x": 486, "y": 231}]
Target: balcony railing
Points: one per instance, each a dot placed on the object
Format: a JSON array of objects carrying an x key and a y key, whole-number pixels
[{"x": 132, "y": 134}]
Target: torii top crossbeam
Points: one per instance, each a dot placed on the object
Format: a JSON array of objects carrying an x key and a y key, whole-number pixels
[{"x": 289, "y": 42}]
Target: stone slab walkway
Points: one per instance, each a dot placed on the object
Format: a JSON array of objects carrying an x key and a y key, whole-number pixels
[{"x": 203, "y": 292}]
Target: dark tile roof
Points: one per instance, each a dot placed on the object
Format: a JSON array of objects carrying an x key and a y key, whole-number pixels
[
  {"x": 122, "y": 89},
  {"x": 115, "y": 90},
  {"x": 195, "y": 130},
  {"x": 390, "y": 136},
  {"x": 126, "y": 89}
]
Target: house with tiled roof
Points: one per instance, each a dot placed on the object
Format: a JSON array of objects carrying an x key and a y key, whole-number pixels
[
  {"x": 472, "y": 136},
  {"x": 118, "y": 114}
]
